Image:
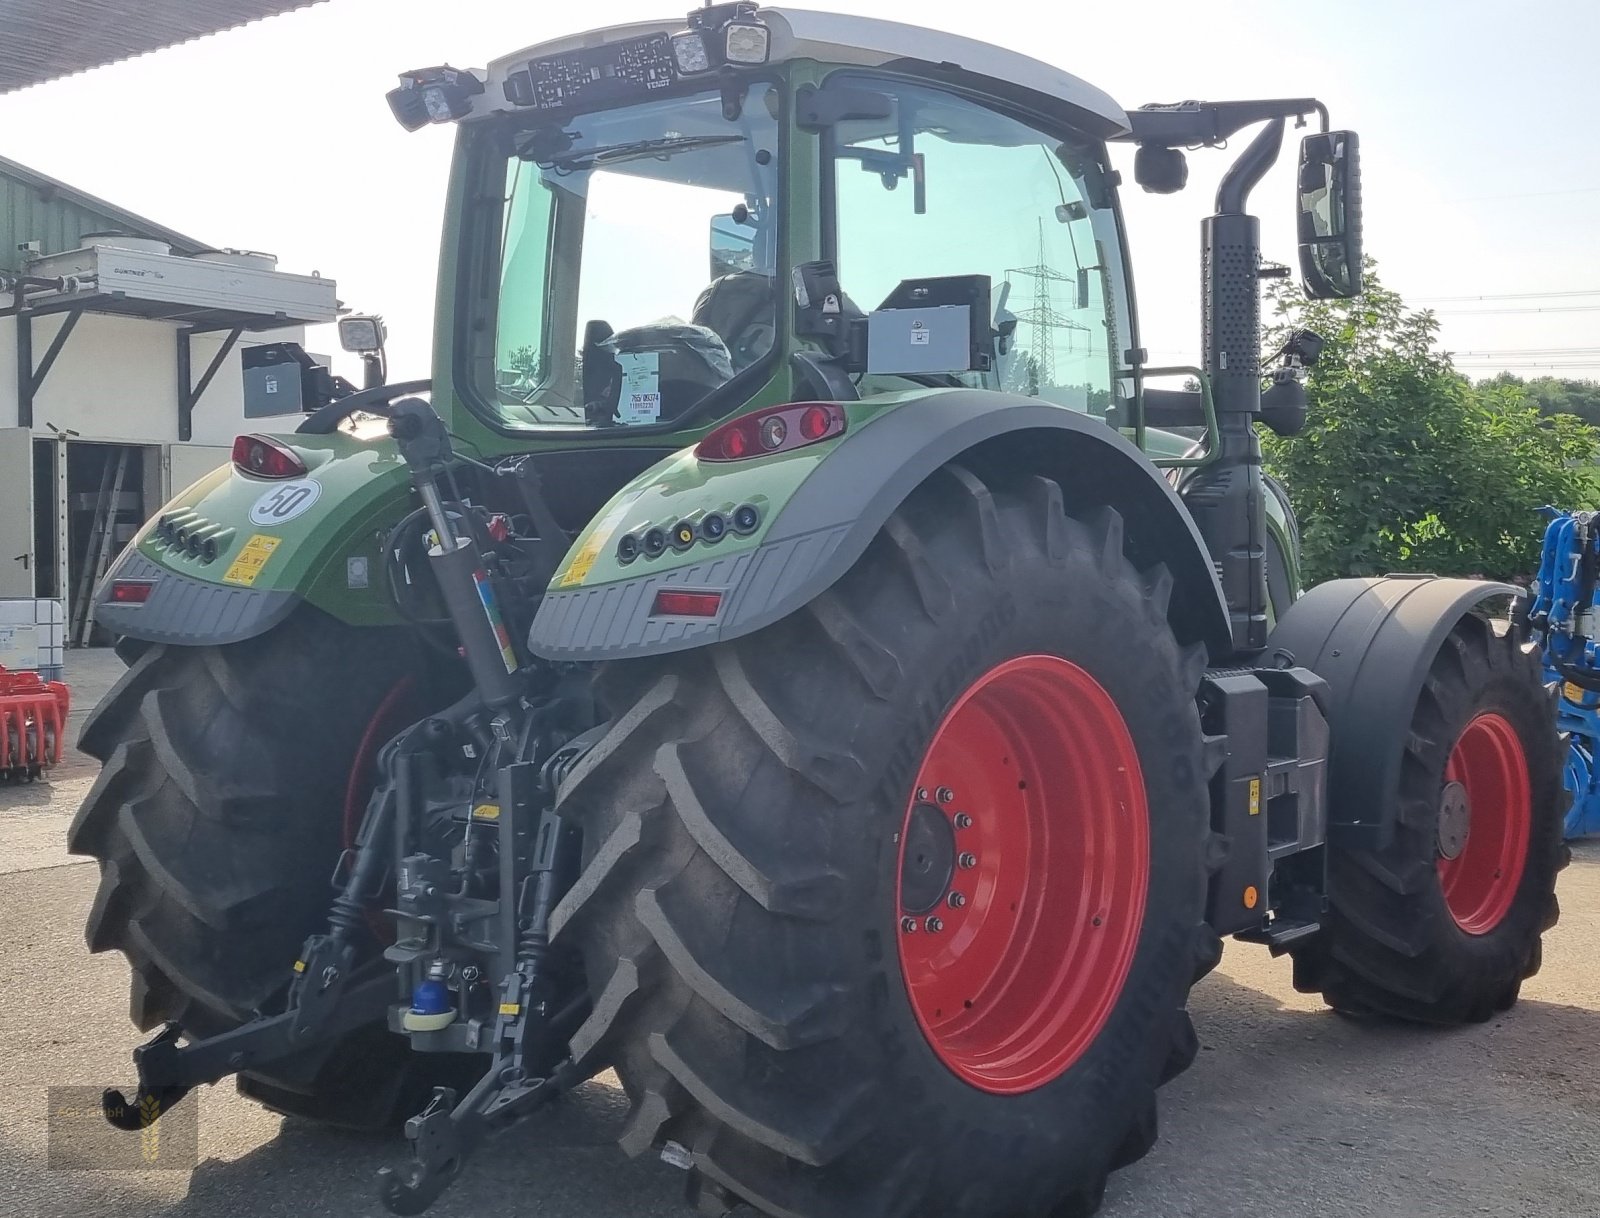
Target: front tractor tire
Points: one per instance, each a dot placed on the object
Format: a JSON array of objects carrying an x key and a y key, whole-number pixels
[
  {"x": 1443, "y": 924},
  {"x": 893, "y": 907},
  {"x": 217, "y": 820}
]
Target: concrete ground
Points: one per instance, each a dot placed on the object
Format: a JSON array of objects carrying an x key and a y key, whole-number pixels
[{"x": 1289, "y": 1111}]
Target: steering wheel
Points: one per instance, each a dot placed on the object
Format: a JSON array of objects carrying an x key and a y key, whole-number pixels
[{"x": 326, "y": 419}]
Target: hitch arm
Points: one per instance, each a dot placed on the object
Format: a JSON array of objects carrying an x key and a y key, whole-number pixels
[{"x": 326, "y": 1008}]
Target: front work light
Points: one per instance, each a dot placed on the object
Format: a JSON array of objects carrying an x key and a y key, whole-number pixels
[
  {"x": 433, "y": 95},
  {"x": 690, "y": 54},
  {"x": 748, "y": 42}
]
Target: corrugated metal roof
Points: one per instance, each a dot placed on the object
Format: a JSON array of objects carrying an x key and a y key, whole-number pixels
[
  {"x": 43, "y": 39},
  {"x": 34, "y": 207}
]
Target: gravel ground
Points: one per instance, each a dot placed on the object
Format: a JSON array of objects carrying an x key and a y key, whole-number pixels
[{"x": 1289, "y": 1110}]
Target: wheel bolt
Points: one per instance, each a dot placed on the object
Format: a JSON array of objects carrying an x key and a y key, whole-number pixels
[
  {"x": 945, "y": 795},
  {"x": 908, "y": 926},
  {"x": 922, "y": 793},
  {"x": 967, "y": 859},
  {"x": 963, "y": 821},
  {"x": 935, "y": 925},
  {"x": 956, "y": 900}
]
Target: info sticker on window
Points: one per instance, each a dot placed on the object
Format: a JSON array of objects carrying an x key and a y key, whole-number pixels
[{"x": 640, "y": 401}]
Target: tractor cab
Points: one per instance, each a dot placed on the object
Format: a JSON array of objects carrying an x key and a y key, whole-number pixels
[{"x": 657, "y": 226}]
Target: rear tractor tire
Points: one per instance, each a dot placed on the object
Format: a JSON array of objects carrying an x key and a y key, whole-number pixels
[
  {"x": 893, "y": 907},
  {"x": 217, "y": 820},
  {"x": 1443, "y": 924}
]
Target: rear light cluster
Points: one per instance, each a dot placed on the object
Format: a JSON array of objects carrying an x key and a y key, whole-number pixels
[
  {"x": 655, "y": 540},
  {"x": 676, "y": 602},
  {"x": 131, "y": 591},
  {"x": 264, "y": 457},
  {"x": 773, "y": 429},
  {"x": 186, "y": 533}
]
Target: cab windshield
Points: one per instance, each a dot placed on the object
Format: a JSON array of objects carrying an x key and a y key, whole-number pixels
[{"x": 637, "y": 256}]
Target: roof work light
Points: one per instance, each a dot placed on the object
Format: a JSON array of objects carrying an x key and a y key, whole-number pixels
[{"x": 433, "y": 95}]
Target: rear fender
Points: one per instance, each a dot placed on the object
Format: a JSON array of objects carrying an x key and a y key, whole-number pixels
[
  {"x": 322, "y": 548},
  {"x": 1373, "y": 641},
  {"x": 822, "y": 506}
]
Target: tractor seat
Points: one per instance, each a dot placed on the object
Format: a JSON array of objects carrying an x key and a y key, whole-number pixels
[{"x": 741, "y": 309}]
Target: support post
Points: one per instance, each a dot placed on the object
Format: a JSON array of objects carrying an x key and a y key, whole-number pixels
[
  {"x": 24, "y": 369},
  {"x": 188, "y": 392}
]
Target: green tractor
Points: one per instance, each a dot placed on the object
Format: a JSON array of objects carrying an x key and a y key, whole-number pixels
[{"x": 798, "y": 659}]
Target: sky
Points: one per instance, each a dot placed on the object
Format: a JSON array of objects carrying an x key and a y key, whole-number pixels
[{"x": 1480, "y": 168}]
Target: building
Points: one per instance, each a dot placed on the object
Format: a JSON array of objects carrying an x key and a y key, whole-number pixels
[{"x": 120, "y": 339}]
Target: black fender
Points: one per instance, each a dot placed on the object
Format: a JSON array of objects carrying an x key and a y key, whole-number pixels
[
  {"x": 1373, "y": 641},
  {"x": 826, "y": 525}
]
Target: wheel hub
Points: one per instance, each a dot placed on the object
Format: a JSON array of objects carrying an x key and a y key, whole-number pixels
[
  {"x": 1455, "y": 820},
  {"x": 927, "y": 859}
]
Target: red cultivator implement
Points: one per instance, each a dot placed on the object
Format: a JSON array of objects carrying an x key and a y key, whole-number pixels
[{"x": 33, "y": 713}]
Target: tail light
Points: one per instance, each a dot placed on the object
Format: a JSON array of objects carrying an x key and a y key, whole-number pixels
[
  {"x": 673, "y": 603},
  {"x": 773, "y": 429},
  {"x": 264, "y": 457},
  {"x": 131, "y": 591}
]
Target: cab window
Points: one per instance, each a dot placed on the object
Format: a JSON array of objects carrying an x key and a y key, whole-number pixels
[{"x": 945, "y": 186}]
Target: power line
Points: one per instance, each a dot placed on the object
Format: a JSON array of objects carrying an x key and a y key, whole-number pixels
[
  {"x": 1510, "y": 296},
  {"x": 1594, "y": 308}
]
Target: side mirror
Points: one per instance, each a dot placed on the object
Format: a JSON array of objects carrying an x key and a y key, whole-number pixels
[
  {"x": 733, "y": 246},
  {"x": 1330, "y": 215}
]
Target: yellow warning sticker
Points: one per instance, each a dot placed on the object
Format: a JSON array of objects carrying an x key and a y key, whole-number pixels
[
  {"x": 1572, "y": 693},
  {"x": 583, "y": 561},
  {"x": 486, "y": 812},
  {"x": 509, "y": 1008},
  {"x": 1255, "y": 797},
  {"x": 299, "y": 966},
  {"x": 245, "y": 569}
]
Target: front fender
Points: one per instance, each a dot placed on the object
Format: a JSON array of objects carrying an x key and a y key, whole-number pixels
[{"x": 822, "y": 506}]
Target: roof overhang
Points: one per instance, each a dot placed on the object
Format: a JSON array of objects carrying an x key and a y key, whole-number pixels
[
  {"x": 41, "y": 40},
  {"x": 869, "y": 42}
]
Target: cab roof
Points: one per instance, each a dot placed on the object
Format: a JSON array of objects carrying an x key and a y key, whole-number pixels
[{"x": 869, "y": 42}]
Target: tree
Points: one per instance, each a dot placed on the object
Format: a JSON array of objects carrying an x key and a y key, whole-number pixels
[{"x": 1403, "y": 464}]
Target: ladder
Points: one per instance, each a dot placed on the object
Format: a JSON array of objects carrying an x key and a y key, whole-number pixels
[{"x": 97, "y": 556}]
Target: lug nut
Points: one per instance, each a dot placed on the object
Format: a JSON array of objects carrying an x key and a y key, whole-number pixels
[
  {"x": 945, "y": 795},
  {"x": 922, "y": 793},
  {"x": 956, "y": 900},
  {"x": 935, "y": 925},
  {"x": 963, "y": 821},
  {"x": 908, "y": 926},
  {"x": 967, "y": 859}
]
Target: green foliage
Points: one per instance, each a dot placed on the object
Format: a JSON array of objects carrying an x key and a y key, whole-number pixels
[
  {"x": 1553, "y": 395},
  {"x": 1406, "y": 466}
]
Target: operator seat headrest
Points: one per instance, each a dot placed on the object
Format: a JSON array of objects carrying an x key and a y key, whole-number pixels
[{"x": 742, "y": 309}]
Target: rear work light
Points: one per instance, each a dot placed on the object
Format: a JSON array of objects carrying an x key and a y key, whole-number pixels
[
  {"x": 131, "y": 591},
  {"x": 773, "y": 429},
  {"x": 264, "y": 457},
  {"x": 672, "y": 603}
]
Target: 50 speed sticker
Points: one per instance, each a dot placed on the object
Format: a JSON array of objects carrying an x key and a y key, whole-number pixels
[{"x": 285, "y": 501}]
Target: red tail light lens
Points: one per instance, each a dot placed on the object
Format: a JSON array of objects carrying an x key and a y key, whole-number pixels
[
  {"x": 131, "y": 591},
  {"x": 773, "y": 429},
  {"x": 670, "y": 603},
  {"x": 265, "y": 457}
]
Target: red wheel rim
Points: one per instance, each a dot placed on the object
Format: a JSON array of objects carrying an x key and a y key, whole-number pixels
[
  {"x": 1481, "y": 881},
  {"x": 1028, "y": 831}
]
